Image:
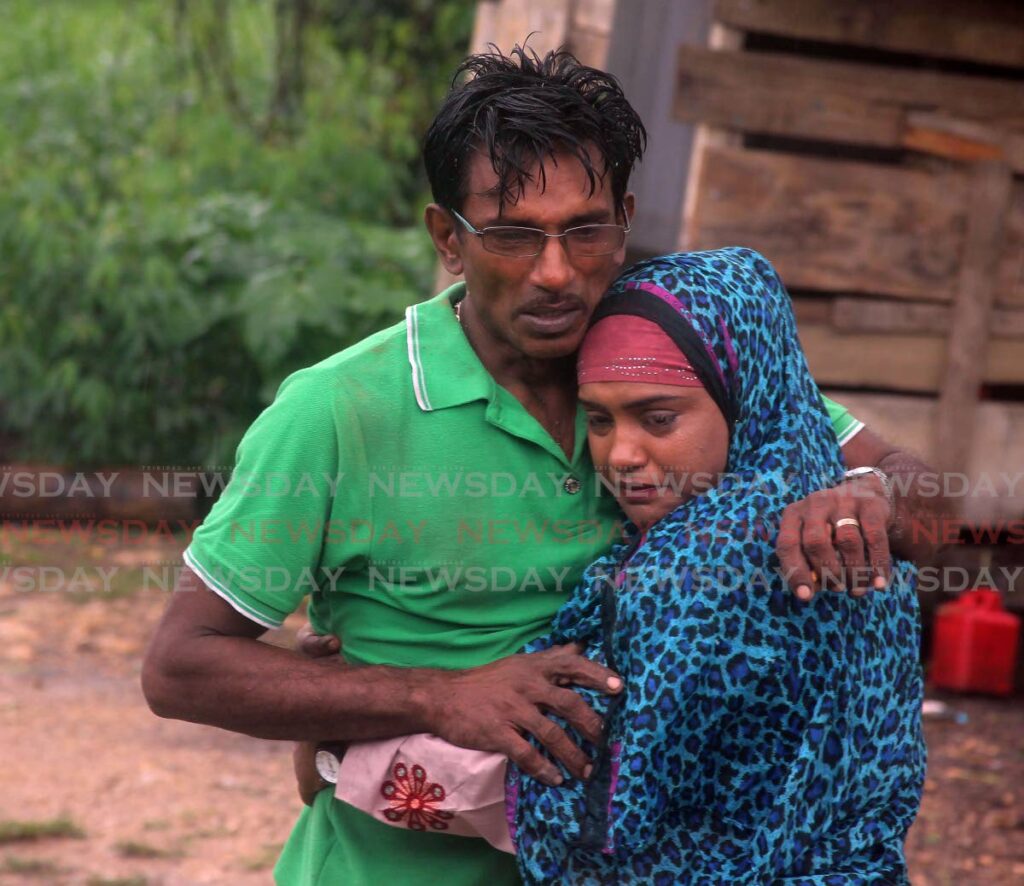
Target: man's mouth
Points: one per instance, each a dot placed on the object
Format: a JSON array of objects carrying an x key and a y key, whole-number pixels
[{"x": 555, "y": 319}]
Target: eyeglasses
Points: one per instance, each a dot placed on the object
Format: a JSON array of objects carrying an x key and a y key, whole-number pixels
[{"x": 585, "y": 241}]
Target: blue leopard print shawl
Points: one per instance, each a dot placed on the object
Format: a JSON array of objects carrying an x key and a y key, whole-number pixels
[{"x": 758, "y": 739}]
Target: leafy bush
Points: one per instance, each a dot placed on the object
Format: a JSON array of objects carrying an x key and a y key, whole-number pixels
[
  {"x": 164, "y": 265},
  {"x": 164, "y": 343}
]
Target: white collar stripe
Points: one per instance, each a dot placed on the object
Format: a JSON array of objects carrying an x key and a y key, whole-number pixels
[{"x": 412, "y": 339}]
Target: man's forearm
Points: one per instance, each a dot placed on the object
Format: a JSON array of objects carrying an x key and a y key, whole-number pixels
[
  {"x": 920, "y": 511},
  {"x": 206, "y": 664},
  {"x": 248, "y": 686}
]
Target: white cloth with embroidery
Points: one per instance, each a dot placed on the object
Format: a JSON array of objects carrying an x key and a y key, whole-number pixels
[{"x": 424, "y": 783}]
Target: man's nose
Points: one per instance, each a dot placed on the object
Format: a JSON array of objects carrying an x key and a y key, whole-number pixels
[{"x": 552, "y": 269}]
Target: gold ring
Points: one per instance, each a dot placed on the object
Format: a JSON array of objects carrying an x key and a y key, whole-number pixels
[{"x": 847, "y": 521}]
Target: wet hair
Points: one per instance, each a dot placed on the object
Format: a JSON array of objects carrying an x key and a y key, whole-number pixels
[{"x": 523, "y": 110}]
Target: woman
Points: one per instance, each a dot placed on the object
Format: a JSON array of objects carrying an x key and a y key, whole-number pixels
[{"x": 759, "y": 739}]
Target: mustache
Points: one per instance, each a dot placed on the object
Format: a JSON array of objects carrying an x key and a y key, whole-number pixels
[{"x": 561, "y": 303}]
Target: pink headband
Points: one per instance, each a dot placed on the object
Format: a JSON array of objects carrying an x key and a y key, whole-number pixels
[{"x": 628, "y": 348}]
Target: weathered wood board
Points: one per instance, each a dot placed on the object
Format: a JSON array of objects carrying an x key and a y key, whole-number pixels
[
  {"x": 584, "y": 26},
  {"x": 848, "y": 314},
  {"x": 594, "y": 15},
  {"x": 508, "y": 22},
  {"x": 590, "y": 47},
  {"x": 864, "y": 104},
  {"x": 902, "y": 362},
  {"x": 964, "y": 141},
  {"x": 984, "y": 31},
  {"x": 843, "y": 226},
  {"x": 988, "y": 205}
]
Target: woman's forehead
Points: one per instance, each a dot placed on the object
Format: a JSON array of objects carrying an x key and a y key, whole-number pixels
[{"x": 630, "y": 395}]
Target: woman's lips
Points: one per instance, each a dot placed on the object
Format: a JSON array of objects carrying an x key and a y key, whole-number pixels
[
  {"x": 555, "y": 321},
  {"x": 639, "y": 493}
]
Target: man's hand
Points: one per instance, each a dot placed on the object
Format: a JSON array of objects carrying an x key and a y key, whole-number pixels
[
  {"x": 490, "y": 708},
  {"x": 837, "y": 538},
  {"x": 205, "y": 664},
  {"x": 815, "y": 552}
]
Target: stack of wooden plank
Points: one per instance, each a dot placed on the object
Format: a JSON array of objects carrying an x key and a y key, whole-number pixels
[
  {"x": 581, "y": 26},
  {"x": 874, "y": 152}
]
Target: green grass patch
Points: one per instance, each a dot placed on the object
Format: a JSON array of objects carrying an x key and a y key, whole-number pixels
[
  {"x": 264, "y": 859},
  {"x": 121, "y": 585},
  {"x": 14, "y": 864},
  {"x": 117, "y": 881},
  {"x": 30, "y": 831},
  {"x": 136, "y": 849}
]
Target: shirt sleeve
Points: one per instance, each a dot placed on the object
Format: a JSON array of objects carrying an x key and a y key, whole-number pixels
[
  {"x": 845, "y": 425},
  {"x": 261, "y": 544}
]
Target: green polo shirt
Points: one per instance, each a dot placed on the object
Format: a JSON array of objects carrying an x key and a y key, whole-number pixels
[{"x": 432, "y": 521}]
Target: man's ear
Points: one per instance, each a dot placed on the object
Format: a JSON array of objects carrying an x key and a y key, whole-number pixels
[
  {"x": 441, "y": 227},
  {"x": 629, "y": 205}
]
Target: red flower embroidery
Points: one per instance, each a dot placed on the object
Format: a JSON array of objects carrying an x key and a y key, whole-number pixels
[{"x": 414, "y": 800}]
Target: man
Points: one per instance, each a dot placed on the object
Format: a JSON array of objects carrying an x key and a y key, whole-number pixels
[{"x": 430, "y": 487}]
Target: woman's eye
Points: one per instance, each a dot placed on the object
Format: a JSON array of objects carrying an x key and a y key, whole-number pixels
[
  {"x": 598, "y": 422},
  {"x": 660, "y": 420}
]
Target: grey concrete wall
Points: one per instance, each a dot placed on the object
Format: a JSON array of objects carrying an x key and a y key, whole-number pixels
[{"x": 645, "y": 39}]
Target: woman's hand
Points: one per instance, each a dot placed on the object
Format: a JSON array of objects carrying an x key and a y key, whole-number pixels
[
  {"x": 314, "y": 645},
  {"x": 311, "y": 645},
  {"x": 304, "y": 763}
]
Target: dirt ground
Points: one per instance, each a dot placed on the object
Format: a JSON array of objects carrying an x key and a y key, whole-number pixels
[{"x": 142, "y": 801}]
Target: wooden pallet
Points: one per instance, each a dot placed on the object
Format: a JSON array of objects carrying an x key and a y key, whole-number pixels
[
  {"x": 581, "y": 26},
  {"x": 874, "y": 153}
]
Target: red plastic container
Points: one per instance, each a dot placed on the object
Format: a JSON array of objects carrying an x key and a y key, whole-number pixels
[{"x": 975, "y": 647}]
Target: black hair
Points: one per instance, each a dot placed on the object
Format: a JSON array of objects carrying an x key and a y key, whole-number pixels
[{"x": 523, "y": 109}]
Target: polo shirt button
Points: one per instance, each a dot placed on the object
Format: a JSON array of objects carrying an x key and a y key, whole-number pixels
[{"x": 571, "y": 485}]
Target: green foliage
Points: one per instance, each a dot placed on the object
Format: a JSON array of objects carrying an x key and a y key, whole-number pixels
[
  {"x": 412, "y": 47},
  {"x": 167, "y": 260}
]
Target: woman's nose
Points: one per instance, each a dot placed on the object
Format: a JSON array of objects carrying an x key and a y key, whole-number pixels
[{"x": 625, "y": 454}]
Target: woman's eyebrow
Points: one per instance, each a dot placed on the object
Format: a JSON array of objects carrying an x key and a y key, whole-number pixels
[{"x": 651, "y": 401}]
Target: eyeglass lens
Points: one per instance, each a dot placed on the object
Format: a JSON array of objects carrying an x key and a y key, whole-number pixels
[{"x": 586, "y": 240}]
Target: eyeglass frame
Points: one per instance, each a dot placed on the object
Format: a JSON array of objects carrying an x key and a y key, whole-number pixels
[{"x": 626, "y": 228}]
